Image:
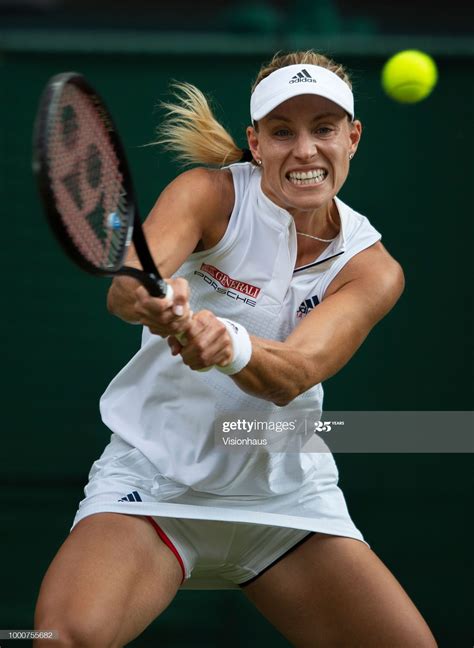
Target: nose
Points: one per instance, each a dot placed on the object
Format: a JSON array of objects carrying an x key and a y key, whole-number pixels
[{"x": 305, "y": 147}]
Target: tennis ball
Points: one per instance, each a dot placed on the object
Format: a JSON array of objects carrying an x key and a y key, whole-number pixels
[{"x": 409, "y": 76}]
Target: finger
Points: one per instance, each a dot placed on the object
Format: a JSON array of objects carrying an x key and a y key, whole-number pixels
[
  {"x": 199, "y": 335},
  {"x": 158, "y": 304},
  {"x": 163, "y": 324},
  {"x": 200, "y": 362},
  {"x": 178, "y": 326},
  {"x": 219, "y": 351},
  {"x": 174, "y": 345},
  {"x": 142, "y": 294},
  {"x": 153, "y": 312},
  {"x": 208, "y": 349},
  {"x": 180, "y": 295},
  {"x": 159, "y": 332},
  {"x": 194, "y": 327}
]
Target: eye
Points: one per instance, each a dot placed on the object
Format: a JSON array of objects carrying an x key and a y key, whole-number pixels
[
  {"x": 324, "y": 131},
  {"x": 282, "y": 132}
]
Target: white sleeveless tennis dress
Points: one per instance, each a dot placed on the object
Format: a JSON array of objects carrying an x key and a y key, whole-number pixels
[{"x": 163, "y": 460}]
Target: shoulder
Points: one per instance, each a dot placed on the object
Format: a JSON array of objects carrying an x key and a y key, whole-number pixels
[
  {"x": 355, "y": 224},
  {"x": 204, "y": 200},
  {"x": 212, "y": 188}
]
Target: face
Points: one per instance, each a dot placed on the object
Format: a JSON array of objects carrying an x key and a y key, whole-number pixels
[{"x": 304, "y": 145}]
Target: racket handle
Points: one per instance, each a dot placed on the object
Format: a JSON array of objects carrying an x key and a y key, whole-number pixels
[
  {"x": 155, "y": 285},
  {"x": 181, "y": 337},
  {"x": 158, "y": 287},
  {"x": 168, "y": 294}
]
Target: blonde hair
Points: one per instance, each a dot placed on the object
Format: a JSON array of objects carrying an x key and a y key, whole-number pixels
[
  {"x": 190, "y": 129},
  {"x": 308, "y": 57},
  {"x": 192, "y": 132}
]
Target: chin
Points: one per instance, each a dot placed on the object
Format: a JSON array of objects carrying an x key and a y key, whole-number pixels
[{"x": 312, "y": 200}]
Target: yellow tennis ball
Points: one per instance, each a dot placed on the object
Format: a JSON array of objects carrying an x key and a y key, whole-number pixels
[{"x": 409, "y": 76}]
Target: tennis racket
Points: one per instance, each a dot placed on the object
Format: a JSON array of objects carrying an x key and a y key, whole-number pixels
[{"x": 85, "y": 183}]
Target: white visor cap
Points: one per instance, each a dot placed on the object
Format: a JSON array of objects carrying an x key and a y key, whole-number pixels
[{"x": 294, "y": 80}]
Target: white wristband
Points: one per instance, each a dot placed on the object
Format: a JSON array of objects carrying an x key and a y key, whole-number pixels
[{"x": 241, "y": 344}]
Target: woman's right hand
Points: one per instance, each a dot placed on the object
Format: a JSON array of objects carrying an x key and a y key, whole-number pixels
[{"x": 161, "y": 315}]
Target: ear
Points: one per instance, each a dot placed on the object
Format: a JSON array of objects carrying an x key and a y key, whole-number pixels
[
  {"x": 252, "y": 139},
  {"x": 355, "y": 135}
]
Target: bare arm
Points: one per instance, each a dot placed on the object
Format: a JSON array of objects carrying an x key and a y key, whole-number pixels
[
  {"x": 191, "y": 213},
  {"x": 360, "y": 296}
]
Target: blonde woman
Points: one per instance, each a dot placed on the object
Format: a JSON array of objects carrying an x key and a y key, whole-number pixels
[{"x": 276, "y": 284}]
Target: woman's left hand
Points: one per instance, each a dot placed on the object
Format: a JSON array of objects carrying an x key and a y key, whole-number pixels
[{"x": 207, "y": 342}]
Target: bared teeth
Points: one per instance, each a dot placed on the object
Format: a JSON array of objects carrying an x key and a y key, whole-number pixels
[{"x": 307, "y": 177}]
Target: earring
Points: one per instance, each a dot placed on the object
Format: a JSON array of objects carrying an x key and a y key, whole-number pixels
[
  {"x": 351, "y": 155},
  {"x": 259, "y": 162}
]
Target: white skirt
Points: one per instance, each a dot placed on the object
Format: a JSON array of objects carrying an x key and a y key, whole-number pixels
[{"x": 123, "y": 480}]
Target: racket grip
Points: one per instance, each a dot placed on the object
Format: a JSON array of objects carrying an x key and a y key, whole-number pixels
[
  {"x": 155, "y": 285},
  {"x": 181, "y": 337},
  {"x": 169, "y": 292}
]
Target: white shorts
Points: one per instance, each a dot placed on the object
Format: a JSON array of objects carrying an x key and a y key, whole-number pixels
[
  {"x": 218, "y": 545},
  {"x": 225, "y": 555}
]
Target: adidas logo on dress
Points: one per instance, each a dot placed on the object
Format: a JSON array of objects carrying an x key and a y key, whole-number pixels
[
  {"x": 303, "y": 77},
  {"x": 131, "y": 497},
  {"x": 306, "y": 306}
]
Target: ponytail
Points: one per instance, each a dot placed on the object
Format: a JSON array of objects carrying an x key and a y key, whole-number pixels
[{"x": 191, "y": 131}]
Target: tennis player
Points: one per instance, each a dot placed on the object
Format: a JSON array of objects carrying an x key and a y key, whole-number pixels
[{"x": 276, "y": 284}]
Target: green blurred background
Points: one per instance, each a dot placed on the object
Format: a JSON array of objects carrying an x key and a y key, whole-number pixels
[{"x": 412, "y": 177}]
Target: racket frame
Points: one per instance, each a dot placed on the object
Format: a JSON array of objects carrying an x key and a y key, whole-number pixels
[{"x": 45, "y": 121}]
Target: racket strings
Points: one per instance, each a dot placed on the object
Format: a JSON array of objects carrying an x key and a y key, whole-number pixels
[{"x": 87, "y": 183}]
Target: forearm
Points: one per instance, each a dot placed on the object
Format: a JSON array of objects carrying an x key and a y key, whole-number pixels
[
  {"x": 276, "y": 372},
  {"x": 121, "y": 299},
  {"x": 281, "y": 371},
  {"x": 327, "y": 338}
]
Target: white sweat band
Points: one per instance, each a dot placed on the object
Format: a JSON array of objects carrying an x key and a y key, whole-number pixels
[{"x": 241, "y": 344}]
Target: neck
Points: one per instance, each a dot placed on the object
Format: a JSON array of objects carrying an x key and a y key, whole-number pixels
[{"x": 323, "y": 222}]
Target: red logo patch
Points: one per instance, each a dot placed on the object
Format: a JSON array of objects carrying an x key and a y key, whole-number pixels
[{"x": 228, "y": 282}]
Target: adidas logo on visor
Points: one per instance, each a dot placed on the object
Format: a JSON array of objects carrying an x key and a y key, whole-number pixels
[{"x": 303, "y": 77}]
